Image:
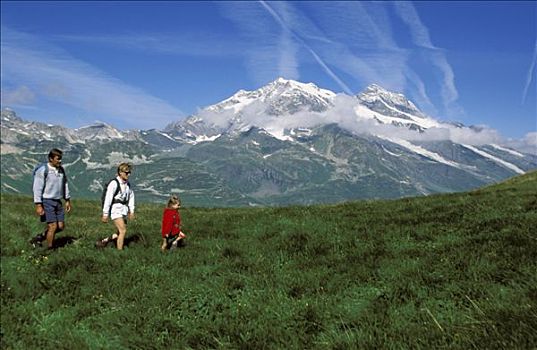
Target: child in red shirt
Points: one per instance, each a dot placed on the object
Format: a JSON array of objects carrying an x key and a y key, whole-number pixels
[{"x": 171, "y": 225}]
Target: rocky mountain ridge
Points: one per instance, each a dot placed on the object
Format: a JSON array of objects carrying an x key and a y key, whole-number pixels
[{"x": 285, "y": 143}]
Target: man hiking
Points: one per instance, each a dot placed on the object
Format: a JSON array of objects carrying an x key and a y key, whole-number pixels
[{"x": 49, "y": 188}]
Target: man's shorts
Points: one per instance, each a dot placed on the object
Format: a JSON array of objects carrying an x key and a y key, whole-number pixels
[{"x": 53, "y": 210}]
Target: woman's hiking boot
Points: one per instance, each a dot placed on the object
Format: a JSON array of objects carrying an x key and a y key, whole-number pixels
[{"x": 102, "y": 243}]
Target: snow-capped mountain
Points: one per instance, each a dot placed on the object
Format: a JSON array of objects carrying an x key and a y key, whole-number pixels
[
  {"x": 272, "y": 108},
  {"x": 258, "y": 108},
  {"x": 391, "y": 108},
  {"x": 104, "y": 132},
  {"x": 385, "y": 102},
  {"x": 15, "y": 129},
  {"x": 280, "y": 97},
  {"x": 284, "y": 143}
]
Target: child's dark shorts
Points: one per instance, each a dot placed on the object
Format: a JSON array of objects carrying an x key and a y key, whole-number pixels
[
  {"x": 53, "y": 210},
  {"x": 169, "y": 241}
]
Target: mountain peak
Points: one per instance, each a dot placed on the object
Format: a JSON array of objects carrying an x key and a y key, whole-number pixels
[
  {"x": 99, "y": 131},
  {"x": 97, "y": 125},
  {"x": 281, "y": 80},
  {"x": 379, "y": 99},
  {"x": 9, "y": 115},
  {"x": 282, "y": 96},
  {"x": 377, "y": 90},
  {"x": 297, "y": 85}
]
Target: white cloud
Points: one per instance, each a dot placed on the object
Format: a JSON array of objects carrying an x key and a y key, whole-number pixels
[
  {"x": 184, "y": 44},
  {"x": 262, "y": 41},
  {"x": 528, "y": 144},
  {"x": 21, "y": 95},
  {"x": 354, "y": 38},
  {"x": 421, "y": 38},
  {"x": 48, "y": 71},
  {"x": 531, "y": 75},
  {"x": 291, "y": 21},
  {"x": 287, "y": 48},
  {"x": 276, "y": 44},
  {"x": 343, "y": 113},
  {"x": 288, "y": 64}
]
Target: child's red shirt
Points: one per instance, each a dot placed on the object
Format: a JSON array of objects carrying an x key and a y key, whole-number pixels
[{"x": 171, "y": 222}]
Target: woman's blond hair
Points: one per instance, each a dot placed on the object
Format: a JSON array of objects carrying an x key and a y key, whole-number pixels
[
  {"x": 174, "y": 199},
  {"x": 124, "y": 167}
]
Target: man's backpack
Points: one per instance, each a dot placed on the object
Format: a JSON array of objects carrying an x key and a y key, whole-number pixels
[
  {"x": 105, "y": 189},
  {"x": 45, "y": 175}
]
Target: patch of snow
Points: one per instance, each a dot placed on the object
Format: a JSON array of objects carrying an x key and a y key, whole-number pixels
[
  {"x": 205, "y": 138},
  {"x": 69, "y": 164},
  {"x": 19, "y": 131},
  {"x": 245, "y": 128},
  {"x": 11, "y": 188},
  {"x": 236, "y": 102},
  {"x": 422, "y": 151},
  {"x": 93, "y": 165},
  {"x": 96, "y": 186},
  {"x": 423, "y": 122},
  {"x": 194, "y": 120},
  {"x": 279, "y": 134},
  {"x": 510, "y": 151},
  {"x": 177, "y": 190},
  {"x": 167, "y": 136},
  {"x": 495, "y": 159},
  {"x": 364, "y": 112},
  {"x": 390, "y": 153},
  {"x": 115, "y": 158},
  {"x": 9, "y": 149},
  {"x": 152, "y": 190}
]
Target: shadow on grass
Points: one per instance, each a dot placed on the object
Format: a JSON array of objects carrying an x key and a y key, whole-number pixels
[
  {"x": 130, "y": 239},
  {"x": 134, "y": 238},
  {"x": 63, "y": 241}
]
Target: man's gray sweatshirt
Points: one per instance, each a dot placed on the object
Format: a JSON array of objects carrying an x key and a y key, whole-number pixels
[{"x": 53, "y": 188}]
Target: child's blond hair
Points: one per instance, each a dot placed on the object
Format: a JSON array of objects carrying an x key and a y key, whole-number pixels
[{"x": 174, "y": 199}]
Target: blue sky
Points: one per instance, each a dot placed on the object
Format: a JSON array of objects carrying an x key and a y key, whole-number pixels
[{"x": 146, "y": 64}]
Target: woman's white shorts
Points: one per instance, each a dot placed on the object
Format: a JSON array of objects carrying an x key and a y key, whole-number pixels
[{"x": 119, "y": 211}]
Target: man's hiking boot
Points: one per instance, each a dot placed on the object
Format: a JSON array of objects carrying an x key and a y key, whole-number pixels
[{"x": 37, "y": 241}]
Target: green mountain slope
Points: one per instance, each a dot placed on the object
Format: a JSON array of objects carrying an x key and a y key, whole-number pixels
[
  {"x": 248, "y": 166},
  {"x": 443, "y": 271}
]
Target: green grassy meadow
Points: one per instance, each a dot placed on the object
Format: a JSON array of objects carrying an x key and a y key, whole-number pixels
[{"x": 454, "y": 271}]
